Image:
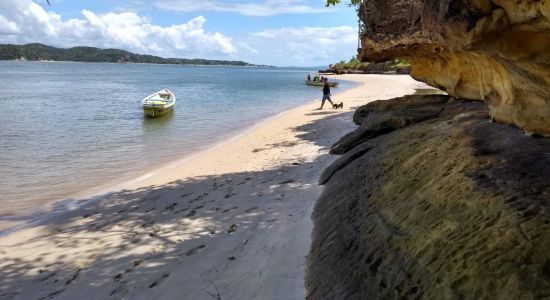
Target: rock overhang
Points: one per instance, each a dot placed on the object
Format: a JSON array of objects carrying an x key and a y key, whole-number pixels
[{"x": 497, "y": 51}]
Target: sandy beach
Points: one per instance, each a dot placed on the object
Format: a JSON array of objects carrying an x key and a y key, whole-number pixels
[{"x": 232, "y": 222}]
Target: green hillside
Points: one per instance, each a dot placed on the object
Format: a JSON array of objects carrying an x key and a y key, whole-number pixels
[{"x": 90, "y": 54}]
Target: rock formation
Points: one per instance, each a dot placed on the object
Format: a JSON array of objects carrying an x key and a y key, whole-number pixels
[
  {"x": 497, "y": 51},
  {"x": 432, "y": 200}
]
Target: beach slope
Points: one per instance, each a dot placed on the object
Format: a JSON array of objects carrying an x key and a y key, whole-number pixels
[{"x": 232, "y": 222}]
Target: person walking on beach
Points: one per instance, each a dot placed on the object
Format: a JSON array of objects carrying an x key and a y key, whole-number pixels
[{"x": 326, "y": 95}]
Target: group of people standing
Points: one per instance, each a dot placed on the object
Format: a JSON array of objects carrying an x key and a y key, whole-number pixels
[{"x": 317, "y": 78}]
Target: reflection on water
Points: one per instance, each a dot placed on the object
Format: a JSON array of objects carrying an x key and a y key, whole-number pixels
[{"x": 152, "y": 124}]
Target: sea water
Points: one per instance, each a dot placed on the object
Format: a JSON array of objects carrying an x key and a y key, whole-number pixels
[{"x": 66, "y": 127}]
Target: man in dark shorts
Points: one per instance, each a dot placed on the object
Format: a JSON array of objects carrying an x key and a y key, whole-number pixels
[{"x": 326, "y": 95}]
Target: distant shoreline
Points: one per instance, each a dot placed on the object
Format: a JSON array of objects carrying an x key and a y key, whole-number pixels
[
  {"x": 41, "y": 52},
  {"x": 136, "y": 63}
]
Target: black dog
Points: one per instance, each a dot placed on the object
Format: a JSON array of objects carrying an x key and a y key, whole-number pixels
[{"x": 337, "y": 106}]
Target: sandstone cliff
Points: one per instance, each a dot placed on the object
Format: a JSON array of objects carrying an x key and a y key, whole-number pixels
[
  {"x": 432, "y": 200},
  {"x": 497, "y": 51}
]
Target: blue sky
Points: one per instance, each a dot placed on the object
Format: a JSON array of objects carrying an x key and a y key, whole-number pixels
[{"x": 276, "y": 32}]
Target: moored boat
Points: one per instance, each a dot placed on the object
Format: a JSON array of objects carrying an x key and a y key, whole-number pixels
[
  {"x": 319, "y": 80},
  {"x": 159, "y": 103}
]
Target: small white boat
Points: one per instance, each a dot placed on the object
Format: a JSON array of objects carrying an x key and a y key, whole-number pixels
[{"x": 159, "y": 103}]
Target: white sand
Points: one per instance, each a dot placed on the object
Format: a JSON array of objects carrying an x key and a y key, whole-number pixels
[{"x": 233, "y": 220}]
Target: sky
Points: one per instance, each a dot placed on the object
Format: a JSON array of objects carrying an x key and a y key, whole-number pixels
[{"x": 272, "y": 32}]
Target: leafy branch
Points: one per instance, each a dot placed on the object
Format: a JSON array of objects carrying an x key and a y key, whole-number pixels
[{"x": 334, "y": 2}]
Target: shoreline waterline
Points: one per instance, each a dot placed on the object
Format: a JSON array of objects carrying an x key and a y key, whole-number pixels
[
  {"x": 35, "y": 215},
  {"x": 81, "y": 125},
  {"x": 237, "y": 216}
]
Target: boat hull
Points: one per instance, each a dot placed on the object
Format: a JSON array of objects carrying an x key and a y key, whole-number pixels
[
  {"x": 157, "y": 111},
  {"x": 314, "y": 83}
]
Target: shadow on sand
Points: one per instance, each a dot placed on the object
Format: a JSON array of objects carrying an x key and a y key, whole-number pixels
[{"x": 134, "y": 240}]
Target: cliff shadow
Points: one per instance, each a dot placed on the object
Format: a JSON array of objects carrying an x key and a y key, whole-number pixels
[{"x": 135, "y": 239}]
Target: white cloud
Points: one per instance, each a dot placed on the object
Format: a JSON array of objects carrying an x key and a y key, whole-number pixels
[
  {"x": 23, "y": 21},
  {"x": 266, "y": 8},
  {"x": 8, "y": 27},
  {"x": 303, "y": 46}
]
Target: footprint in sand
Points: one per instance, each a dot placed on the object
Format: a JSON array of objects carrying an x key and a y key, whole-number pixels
[
  {"x": 52, "y": 294},
  {"x": 121, "y": 290},
  {"x": 251, "y": 209},
  {"x": 148, "y": 224},
  {"x": 287, "y": 181},
  {"x": 150, "y": 210},
  {"x": 74, "y": 277},
  {"x": 232, "y": 228},
  {"x": 171, "y": 206},
  {"x": 181, "y": 210},
  {"x": 206, "y": 202},
  {"x": 45, "y": 278},
  {"x": 230, "y": 209},
  {"x": 10, "y": 295},
  {"x": 160, "y": 280},
  {"x": 199, "y": 197},
  {"x": 195, "y": 250},
  {"x": 135, "y": 264}
]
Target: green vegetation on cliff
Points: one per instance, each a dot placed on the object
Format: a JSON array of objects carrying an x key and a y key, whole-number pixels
[
  {"x": 395, "y": 66},
  {"x": 355, "y": 64},
  {"x": 90, "y": 54}
]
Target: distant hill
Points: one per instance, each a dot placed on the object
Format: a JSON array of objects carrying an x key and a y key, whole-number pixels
[{"x": 36, "y": 52}]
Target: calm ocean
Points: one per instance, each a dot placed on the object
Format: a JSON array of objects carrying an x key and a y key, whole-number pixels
[{"x": 67, "y": 127}]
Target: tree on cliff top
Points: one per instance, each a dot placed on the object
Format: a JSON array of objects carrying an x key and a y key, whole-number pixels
[{"x": 334, "y": 2}]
